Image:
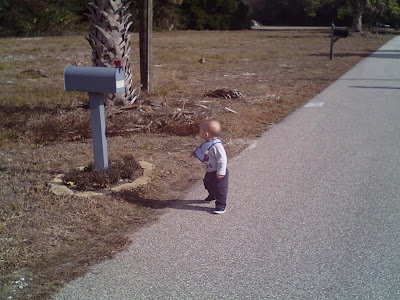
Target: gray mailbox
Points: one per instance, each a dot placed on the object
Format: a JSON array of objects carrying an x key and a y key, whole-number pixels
[
  {"x": 96, "y": 81},
  {"x": 342, "y": 32},
  {"x": 336, "y": 34}
]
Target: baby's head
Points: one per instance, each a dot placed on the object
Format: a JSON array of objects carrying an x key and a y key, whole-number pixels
[{"x": 209, "y": 129}]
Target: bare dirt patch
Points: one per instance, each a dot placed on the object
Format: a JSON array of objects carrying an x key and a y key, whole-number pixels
[{"x": 46, "y": 240}]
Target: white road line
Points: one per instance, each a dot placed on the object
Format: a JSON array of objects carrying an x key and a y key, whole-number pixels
[{"x": 315, "y": 103}]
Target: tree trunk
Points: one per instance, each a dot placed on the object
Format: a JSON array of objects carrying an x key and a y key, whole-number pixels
[
  {"x": 357, "y": 19},
  {"x": 110, "y": 41}
]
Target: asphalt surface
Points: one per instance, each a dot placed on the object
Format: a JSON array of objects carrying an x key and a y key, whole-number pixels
[{"x": 313, "y": 210}]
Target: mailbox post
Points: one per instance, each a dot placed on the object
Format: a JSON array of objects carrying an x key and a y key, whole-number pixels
[
  {"x": 336, "y": 34},
  {"x": 383, "y": 26},
  {"x": 96, "y": 81}
]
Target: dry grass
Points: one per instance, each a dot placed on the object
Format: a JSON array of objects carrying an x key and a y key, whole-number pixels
[{"x": 47, "y": 239}]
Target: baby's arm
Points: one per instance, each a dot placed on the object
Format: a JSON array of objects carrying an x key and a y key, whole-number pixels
[{"x": 221, "y": 158}]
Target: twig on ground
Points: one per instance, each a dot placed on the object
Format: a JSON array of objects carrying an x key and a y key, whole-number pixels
[{"x": 231, "y": 110}]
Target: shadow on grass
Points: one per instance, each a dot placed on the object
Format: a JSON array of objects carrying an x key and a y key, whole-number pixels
[
  {"x": 35, "y": 108},
  {"x": 194, "y": 205},
  {"x": 288, "y": 36}
]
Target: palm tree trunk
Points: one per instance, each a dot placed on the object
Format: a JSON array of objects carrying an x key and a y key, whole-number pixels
[
  {"x": 110, "y": 41},
  {"x": 357, "y": 19}
]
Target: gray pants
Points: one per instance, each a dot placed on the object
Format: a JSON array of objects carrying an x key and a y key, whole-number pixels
[{"x": 217, "y": 188}]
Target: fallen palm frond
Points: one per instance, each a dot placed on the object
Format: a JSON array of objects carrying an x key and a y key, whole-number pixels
[{"x": 225, "y": 94}]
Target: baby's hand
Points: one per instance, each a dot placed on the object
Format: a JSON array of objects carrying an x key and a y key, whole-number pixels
[{"x": 220, "y": 176}]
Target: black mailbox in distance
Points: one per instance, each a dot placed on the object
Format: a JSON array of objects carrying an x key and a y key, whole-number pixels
[{"x": 342, "y": 32}]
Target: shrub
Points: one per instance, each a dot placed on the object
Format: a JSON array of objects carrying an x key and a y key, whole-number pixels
[{"x": 89, "y": 178}]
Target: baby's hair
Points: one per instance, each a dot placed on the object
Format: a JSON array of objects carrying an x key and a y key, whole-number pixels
[{"x": 213, "y": 126}]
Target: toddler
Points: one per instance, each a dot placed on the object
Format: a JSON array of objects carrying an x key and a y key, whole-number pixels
[{"x": 212, "y": 154}]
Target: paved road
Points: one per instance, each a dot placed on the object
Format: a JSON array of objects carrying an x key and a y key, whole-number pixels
[{"x": 314, "y": 210}]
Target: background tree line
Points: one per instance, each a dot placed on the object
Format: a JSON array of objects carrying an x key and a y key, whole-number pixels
[
  {"x": 351, "y": 13},
  {"x": 38, "y": 17}
]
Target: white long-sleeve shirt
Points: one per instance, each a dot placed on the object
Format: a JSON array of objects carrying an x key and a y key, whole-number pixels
[{"x": 216, "y": 160}]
